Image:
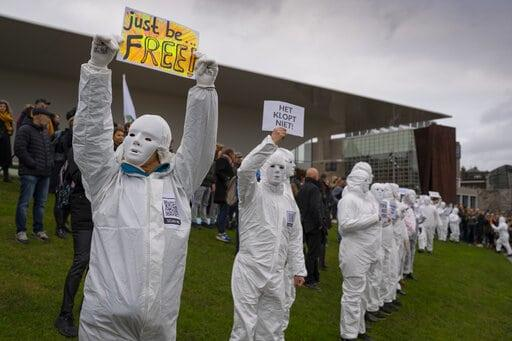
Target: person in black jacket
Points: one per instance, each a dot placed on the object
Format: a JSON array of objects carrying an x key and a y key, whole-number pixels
[
  {"x": 61, "y": 141},
  {"x": 33, "y": 148},
  {"x": 224, "y": 171},
  {"x": 312, "y": 211},
  {"x": 82, "y": 228}
]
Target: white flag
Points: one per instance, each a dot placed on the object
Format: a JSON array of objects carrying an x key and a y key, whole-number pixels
[{"x": 128, "y": 108}]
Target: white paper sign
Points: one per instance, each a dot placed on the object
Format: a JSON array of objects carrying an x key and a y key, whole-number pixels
[{"x": 282, "y": 114}]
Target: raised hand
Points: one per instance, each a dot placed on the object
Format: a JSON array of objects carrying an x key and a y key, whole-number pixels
[
  {"x": 206, "y": 71},
  {"x": 278, "y": 134},
  {"x": 103, "y": 50}
]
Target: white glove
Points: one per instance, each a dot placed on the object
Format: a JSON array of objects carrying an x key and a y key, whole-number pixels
[
  {"x": 103, "y": 50},
  {"x": 206, "y": 71}
]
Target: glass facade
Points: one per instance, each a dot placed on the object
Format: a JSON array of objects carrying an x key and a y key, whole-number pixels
[{"x": 392, "y": 156}]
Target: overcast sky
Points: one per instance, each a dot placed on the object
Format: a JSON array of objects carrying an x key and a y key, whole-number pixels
[{"x": 453, "y": 57}]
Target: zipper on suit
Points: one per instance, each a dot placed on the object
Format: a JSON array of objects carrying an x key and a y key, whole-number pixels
[{"x": 148, "y": 249}]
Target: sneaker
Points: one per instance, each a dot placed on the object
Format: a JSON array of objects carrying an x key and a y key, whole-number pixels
[
  {"x": 380, "y": 314},
  {"x": 41, "y": 235},
  {"x": 401, "y": 292},
  {"x": 364, "y": 336},
  {"x": 223, "y": 238},
  {"x": 65, "y": 326},
  {"x": 22, "y": 237},
  {"x": 370, "y": 317},
  {"x": 61, "y": 233},
  {"x": 313, "y": 286}
]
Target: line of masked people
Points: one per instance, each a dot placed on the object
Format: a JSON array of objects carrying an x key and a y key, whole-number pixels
[{"x": 489, "y": 229}]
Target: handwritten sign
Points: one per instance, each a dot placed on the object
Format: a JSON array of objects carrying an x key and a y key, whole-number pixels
[
  {"x": 158, "y": 44},
  {"x": 282, "y": 114}
]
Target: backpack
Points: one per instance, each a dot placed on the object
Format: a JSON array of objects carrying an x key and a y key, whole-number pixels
[{"x": 231, "y": 192}]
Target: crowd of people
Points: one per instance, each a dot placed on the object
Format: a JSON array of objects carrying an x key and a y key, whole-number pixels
[{"x": 125, "y": 183}]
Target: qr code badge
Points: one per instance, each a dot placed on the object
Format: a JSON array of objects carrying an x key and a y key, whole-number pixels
[
  {"x": 170, "y": 211},
  {"x": 290, "y": 218}
]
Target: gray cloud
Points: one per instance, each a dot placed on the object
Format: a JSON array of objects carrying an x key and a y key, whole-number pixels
[{"x": 449, "y": 56}]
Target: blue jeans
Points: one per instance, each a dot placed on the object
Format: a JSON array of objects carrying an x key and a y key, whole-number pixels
[
  {"x": 36, "y": 187},
  {"x": 222, "y": 219}
]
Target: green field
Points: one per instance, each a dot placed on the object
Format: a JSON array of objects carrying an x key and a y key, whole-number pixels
[{"x": 462, "y": 292}]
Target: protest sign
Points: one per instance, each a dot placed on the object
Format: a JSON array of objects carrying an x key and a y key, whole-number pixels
[
  {"x": 282, "y": 114},
  {"x": 158, "y": 44}
]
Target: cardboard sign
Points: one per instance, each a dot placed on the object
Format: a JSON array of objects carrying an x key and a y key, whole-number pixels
[
  {"x": 158, "y": 44},
  {"x": 282, "y": 114},
  {"x": 434, "y": 195}
]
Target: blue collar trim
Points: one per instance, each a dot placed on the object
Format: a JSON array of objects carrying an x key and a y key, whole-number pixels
[{"x": 131, "y": 169}]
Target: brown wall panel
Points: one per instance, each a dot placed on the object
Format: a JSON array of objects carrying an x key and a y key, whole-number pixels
[{"x": 435, "y": 146}]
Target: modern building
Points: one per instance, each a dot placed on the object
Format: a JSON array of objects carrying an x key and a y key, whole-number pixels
[
  {"x": 486, "y": 190},
  {"x": 45, "y": 62},
  {"x": 500, "y": 178},
  {"x": 420, "y": 156},
  {"x": 473, "y": 178}
]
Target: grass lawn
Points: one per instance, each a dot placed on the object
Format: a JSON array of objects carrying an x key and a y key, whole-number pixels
[{"x": 462, "y": 292}]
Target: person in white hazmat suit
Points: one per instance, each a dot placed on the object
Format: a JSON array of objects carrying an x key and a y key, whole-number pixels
[
  {"x": 399, "y": 233},
  {"x": 410, "y": 221},
  {"x": 432, "y": 221},
  {"x": 375, "y": 279},
  {"x": 140, "y": 203},
  {"x": 422, "y": 232},
  {"x": 388, "y": 286},
  {"x": 270, "y": 238},
  {"x": 454, "y": 220},
  {"x": 444, "y": 213},
  {"x": 289, "y": 275},
  {"x": 359, "y": 227},
  {"x": 503, "y": 236}
]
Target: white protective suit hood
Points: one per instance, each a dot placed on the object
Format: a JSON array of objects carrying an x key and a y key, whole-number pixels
[
  {"x": 410, "y": 198},
  {"x": 147, "y": 134},
  {"x": 290, "y": 161},
  {"x": 358, "y": 181},
  {"x": 455, "y": 211},
  {"x": 502, "y": 220},
  {"x": 395, "y": 189}
]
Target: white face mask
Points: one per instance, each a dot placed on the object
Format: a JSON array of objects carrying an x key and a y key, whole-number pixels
[
  {"x": 139, "y": 147},
  {"x": 147, "y": 134},
  {"x": 276, "y": 173}
]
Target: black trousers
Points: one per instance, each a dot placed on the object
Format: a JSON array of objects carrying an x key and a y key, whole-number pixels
[
  {"x": 61, "y": 214},
  {"x": 323, "y": 249},
  {"x": 314, "y": 250},
  {"x": 82, "y": 249}
]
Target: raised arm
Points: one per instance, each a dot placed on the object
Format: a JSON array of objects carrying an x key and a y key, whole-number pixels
[
  {"x": 254, "y": 161},
  {"x": 195, "y": 154},
  {"x": 92, "y": 129}
]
